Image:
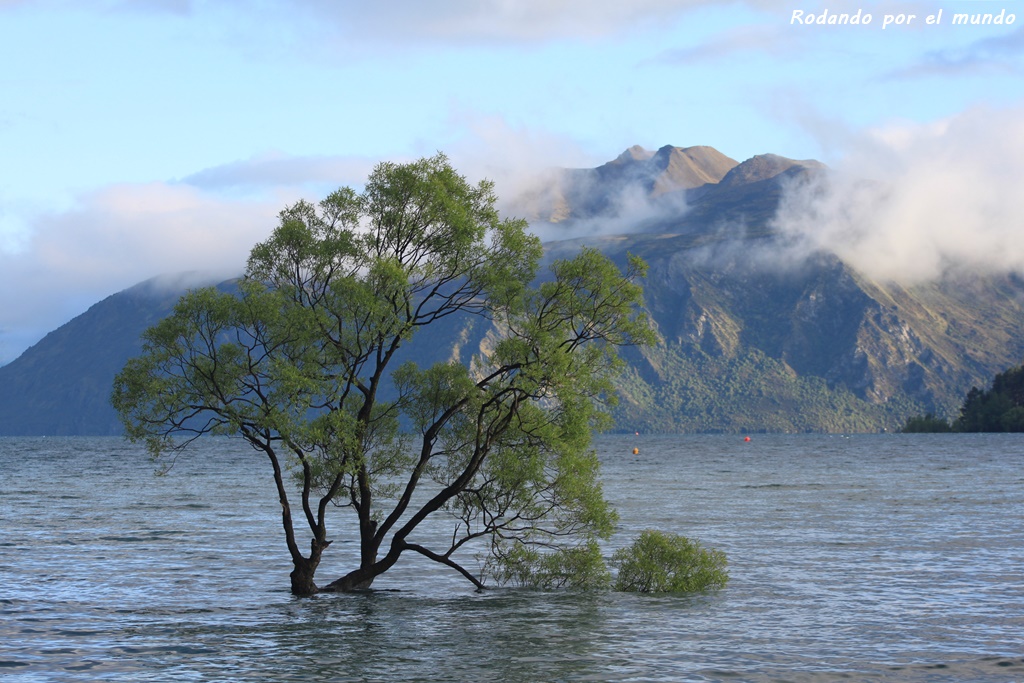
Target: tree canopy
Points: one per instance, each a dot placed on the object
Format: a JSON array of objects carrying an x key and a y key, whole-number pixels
[
  {"x": 999, "y": 408},
  {"x": 660, "y": 562},
  {"x": 304, "y": 362}
]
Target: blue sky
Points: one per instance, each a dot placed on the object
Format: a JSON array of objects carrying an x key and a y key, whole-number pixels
[{"x": 141, "y": 137}]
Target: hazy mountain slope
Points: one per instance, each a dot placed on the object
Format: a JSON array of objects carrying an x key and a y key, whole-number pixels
[
  {"x": 743, "y": 203},
  {"x": 749, "y": 346},
  {"x": 636, "y": 177},
  {"x": 61, "y": 385}
]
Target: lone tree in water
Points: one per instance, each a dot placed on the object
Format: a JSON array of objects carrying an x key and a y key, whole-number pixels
[{"x": 300, "y": 362}]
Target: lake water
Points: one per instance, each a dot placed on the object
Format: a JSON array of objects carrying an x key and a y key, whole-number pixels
[{"x": 868, "y": 557}]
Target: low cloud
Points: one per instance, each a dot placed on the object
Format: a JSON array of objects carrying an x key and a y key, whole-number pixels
[
  {"x": 516, "y": 158},
  {"x": 115, "y": 238},
  {"x": 276, "y": 170},
  {"x": 54, "y": 265},
  {"x": 917, "y": 202},
  {"x": 148, "y": 229},
  {"x": 624, "y": 210}
]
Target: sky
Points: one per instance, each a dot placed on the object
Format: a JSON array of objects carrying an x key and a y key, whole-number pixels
[{"x": 149, "y": 137}]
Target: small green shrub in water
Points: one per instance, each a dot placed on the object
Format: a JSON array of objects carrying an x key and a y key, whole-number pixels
[{"x": 660, "y": 562}]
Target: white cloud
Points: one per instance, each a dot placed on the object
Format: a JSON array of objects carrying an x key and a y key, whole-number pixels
[
  {"x": 516, "y": 158},
  {"x": 527, "y": 167},
  {"x": 55, "y": 265},
  {"x": 276, "y": 170},
  {"x": 912, "y": 202},
  {"x": 114, "y": 238}
]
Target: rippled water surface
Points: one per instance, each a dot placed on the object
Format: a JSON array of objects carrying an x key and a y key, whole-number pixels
[{"x": 871, "y": 557}]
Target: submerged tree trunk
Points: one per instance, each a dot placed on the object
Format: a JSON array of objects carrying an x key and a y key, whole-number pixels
[
  {"x": 354, "y": 581},
  {"x": 362, "y": 578},
  {"x": 305, "y": 568},
  {"x": 359, "y": 579},
  {"x": 302, "y": 579}
]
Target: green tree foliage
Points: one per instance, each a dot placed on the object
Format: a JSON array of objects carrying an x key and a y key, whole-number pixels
[
  {"x": 578, "y": 568},
  {"x": 303, "y": 363},
  {"x": 659, "y": 562},
  {"x": 997, "y": 409},
  {"x": 928, "y": 423}
]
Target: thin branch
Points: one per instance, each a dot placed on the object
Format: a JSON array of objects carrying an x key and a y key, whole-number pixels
[{"x": 447, "y": 561}]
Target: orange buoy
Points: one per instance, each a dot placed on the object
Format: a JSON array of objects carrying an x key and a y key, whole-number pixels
[{"x": 636, "y": 451}]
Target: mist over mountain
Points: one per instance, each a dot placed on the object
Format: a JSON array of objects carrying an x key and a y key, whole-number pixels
[
  {"x": 759, "y": 328},
  {"x": 675, "y": 189},
  {"x": 624, "y": 193}
]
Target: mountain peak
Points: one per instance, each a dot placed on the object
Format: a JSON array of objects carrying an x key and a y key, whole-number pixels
[
  {"x": 763, "y": 167},
  {"x": 634, "y": 153},
  {"x": 689, "y": 167},
  {"x": 700, "y": 172}
]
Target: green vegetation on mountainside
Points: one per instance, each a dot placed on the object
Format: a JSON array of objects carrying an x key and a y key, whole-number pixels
[{"x": 749, "y": 392}]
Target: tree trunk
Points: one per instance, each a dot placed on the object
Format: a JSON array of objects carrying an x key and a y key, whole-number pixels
[
  {"x": 305, "y": 568},
  {"x": 302, "y": 578},
  {"x": 362, "y": 578},
  {"x": 355, "y": 581},
  {"x": 358, "y": 579}
]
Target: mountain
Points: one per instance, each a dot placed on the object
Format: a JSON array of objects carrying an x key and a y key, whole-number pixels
[
  {"x": 636, "y": 177},
  {"x": 747, "y": 346},
  {"x": 61, "y": 385},
  {"x": 752, "y": 339},
  {"x": 749, "y": 338}
]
